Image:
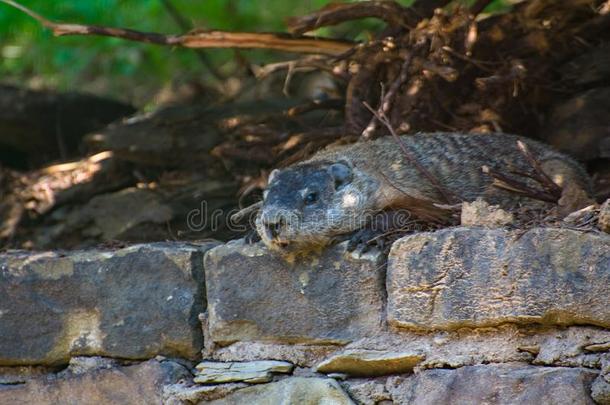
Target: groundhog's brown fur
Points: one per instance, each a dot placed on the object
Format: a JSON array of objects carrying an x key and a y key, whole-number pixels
[{"x": 338, "y": 189}]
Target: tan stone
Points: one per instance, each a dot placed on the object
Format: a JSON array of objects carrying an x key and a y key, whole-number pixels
[
  {"x": 475, "y": 278},
  {"x": 481, "y": 213},
  {"x": 294, "y": 390},
  {"x": 370, "y": 363},
  {"x": 209, "y": 372}
]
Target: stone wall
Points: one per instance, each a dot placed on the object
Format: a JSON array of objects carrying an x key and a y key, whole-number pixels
[{"x": 458, "y": 316}]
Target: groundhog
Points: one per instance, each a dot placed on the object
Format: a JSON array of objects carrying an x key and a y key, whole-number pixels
[{"x": 339, "y": 189}]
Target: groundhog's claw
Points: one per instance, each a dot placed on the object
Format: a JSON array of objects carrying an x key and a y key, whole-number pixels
[{"x": 364, "y": 239}]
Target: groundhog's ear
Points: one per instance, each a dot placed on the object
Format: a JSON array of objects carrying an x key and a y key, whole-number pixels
[
  {"x": 341, "y": 173},
  {"x": 272, "y": 175}
]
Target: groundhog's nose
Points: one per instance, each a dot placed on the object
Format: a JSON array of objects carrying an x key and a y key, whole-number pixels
[{"x": 275, "y": 227}]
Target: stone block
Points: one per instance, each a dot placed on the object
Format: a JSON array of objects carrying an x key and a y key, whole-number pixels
[{"x": 475, "y": 278}]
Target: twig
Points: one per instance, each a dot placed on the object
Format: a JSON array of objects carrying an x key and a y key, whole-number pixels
[
  {"x": 201, "y": 39},
  {"x": 474, "y": 62},
  {"x": 333, "y": 14},
  {"x": 515, "y": 186},
  {"x": 389, "y": 11},
  {"x": 244, "y": 212},
  {"x": 446, "y": 195},
  {"x": 388, "y": 97},
  {"x": 540, "y": 175},
  {"x": 185, "y": 26}
]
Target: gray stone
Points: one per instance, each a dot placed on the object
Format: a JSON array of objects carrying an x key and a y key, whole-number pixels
[
  {"x": 600, "y": 391},
  {"x": 367, "y": 363},
  {"x": 185, "y": 393},
  {"x": 366, "y": 392},
  {"x": 254, "y": 294},
  {"x": 137, "y": 384},
  {"x": 82, "y": 365},
  {"x": 294, "y": 390},
  {"x": 504, "y": 384},
  {"x": 132, "y": 303},
  {"x": 474, "y": 277},
  {"x": 211, "y": 372},
  {"x": 572, "y": 348}
]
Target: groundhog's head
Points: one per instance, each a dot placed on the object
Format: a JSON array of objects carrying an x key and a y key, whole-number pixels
[{"x": 310, "y": 203}]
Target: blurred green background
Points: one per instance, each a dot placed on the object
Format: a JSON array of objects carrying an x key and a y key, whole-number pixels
[{"x": 31, "y": 56}]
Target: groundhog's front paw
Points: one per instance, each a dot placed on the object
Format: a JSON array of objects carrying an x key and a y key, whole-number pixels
[
  {"x": 366, "y": 238},
  {"x": 252, "y": 237}
]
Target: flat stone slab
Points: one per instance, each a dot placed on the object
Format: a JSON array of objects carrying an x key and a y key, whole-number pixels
[
  {"x": 212, "y": 372},
  {"x": 367, "y": 363},
  {"x": 476, "y": 277},
  {"x": 253, "y": 294},
  {"x": 132, "y": 303}
]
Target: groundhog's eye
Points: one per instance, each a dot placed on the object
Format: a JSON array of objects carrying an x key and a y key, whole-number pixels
[{"x": 311, "y": 198}]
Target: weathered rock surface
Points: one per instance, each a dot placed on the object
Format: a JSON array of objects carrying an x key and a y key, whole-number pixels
[
  {"x": 299, "y": 354},
  {"x": 185, "y": 393},
  {"x": 133, "y": 303},
  {"x": 473, "y": 278},
  {"x": 575, "y": 346},
  {"x": 294, "y": 390},
  {"x": 600, "y": 391},
  {"x": 253, "y": 372},
  {"x": 369, "y": 363},
  {"x": 256, "y": 295},
  {"x": 137, "y": 384},
  {"x": 367, "y": 392},
  {"x": 495, "y": 384}
]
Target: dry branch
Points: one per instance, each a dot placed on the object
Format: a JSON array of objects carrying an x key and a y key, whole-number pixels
[
  {"x": 447, "y": 196},
  {"x": 389, "y": 11},
  {"x": 333, "y": 14},
  {"x": 550, "y": 192},
  {"x": 539, "y": 173},
  {"x": 387, "y": 99},
  {"x": 201, "y": 39},
  {"x": 504, "y": 182}
]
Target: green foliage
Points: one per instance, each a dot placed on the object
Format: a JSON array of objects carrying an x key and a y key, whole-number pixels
[{"x": 30, "y": 55}]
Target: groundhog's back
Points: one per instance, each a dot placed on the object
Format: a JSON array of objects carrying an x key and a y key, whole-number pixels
[{"x": 455, "y": 160}]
